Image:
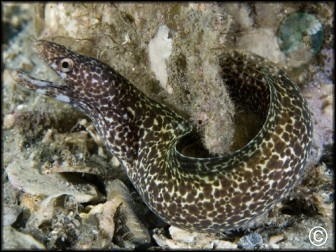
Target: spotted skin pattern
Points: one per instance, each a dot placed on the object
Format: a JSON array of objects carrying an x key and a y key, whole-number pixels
[{"x": 208, "y": 194}]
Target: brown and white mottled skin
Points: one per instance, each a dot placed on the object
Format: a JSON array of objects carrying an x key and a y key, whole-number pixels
[{"x": 203, "y": 194}]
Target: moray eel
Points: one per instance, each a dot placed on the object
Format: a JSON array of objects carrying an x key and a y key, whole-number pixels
[{"x": 204, "y": 194}]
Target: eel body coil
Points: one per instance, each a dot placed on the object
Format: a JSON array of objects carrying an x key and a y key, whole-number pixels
[{"x": 206, "y": 194}]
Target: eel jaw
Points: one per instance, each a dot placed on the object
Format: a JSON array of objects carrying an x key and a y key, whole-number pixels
[{"x": 53, "y": 89}]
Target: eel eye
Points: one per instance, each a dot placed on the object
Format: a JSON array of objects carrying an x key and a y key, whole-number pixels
[{"x": 66, "y": 65}]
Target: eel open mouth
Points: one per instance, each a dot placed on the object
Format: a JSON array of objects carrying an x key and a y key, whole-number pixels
[{"x": 51, "y": 54}]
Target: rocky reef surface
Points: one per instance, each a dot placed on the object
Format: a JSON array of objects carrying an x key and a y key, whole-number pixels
[{"x": 61, "y": 187}]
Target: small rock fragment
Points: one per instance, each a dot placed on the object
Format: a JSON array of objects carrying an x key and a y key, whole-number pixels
[
  {"x": 17, "y": 240},
  {"x": 182, "y": 235},
  {"x": 130, "y": 232},
  {"x": 250, "y": 241},
  {"x": 182, "y": 239},
  {"x": 219, "y": 244},
  {"x": 164, "y": 242},
  {"x": 47, "y": 209},
  {"x": 8, "y": 121},
  {"x": 32, "y": 182},
  {"x": 10, "y": 214},
  {"x": 102, "y": 215},
  {"x": 276, "y": 238},
  {"x": 116, "y": 221}
]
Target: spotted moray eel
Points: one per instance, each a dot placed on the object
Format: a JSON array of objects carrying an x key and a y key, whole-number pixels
[{"x": 205, "y": 194}]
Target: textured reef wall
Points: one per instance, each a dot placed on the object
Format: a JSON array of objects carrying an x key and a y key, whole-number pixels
[{"x": 170, "y": 52}]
